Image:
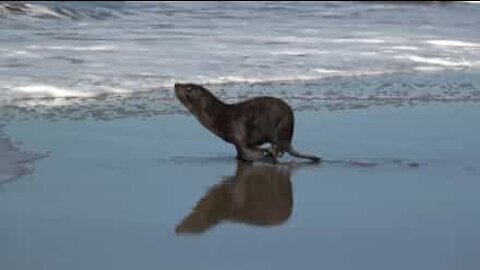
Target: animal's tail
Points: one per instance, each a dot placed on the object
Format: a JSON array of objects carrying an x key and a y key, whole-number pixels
[{"x": 294, "y": 153}]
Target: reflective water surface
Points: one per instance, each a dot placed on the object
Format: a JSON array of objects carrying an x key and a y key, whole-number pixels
[
  {"x": 255, "y": 195},
  {"x": 134, "y": 194}
]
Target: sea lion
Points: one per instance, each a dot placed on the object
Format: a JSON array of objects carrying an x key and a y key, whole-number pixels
[{"x": 247, "y": 125}]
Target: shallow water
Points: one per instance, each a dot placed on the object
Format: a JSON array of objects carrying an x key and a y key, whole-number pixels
[{"x": 119, "y": 194}]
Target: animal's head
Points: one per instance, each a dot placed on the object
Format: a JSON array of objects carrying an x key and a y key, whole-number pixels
[{"x": 192, "y": 96}]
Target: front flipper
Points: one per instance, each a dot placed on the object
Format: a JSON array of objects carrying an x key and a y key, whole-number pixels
[
  {"x": 272, "y": 151},
  {"x": 255, "y": 154}
]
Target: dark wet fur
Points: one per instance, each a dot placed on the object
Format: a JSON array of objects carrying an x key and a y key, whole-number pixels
[{"x": 246, "y": 124}]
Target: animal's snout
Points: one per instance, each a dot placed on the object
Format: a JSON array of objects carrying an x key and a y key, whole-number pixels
[
  {"x": 181, "y": 92},
  {"x": 178, "y": 87}
]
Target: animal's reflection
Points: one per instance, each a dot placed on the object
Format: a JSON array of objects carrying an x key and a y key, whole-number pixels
[{"x": 256, "y": 194}]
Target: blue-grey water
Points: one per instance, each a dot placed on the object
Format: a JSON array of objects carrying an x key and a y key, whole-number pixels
[{"x": 129, "y": 194}]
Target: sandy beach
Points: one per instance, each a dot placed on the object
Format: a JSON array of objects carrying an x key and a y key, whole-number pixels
[{"x": 397, "y": 190}]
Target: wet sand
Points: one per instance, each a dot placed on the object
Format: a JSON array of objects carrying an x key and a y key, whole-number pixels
[
  {"x": 398, "y": 190},
  {"x": 14, "y": 163}
]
